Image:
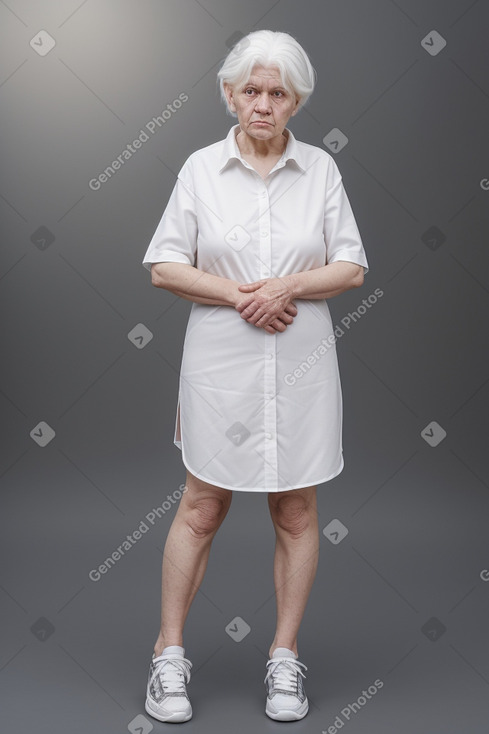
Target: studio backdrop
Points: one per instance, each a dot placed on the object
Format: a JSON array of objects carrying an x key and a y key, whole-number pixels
[{"x": 101, "y": 102}]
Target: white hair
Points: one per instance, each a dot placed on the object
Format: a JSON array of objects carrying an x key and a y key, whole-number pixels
[{"x": 268, "y": 48}]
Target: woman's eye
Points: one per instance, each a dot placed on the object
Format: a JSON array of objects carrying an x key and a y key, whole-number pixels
[{"x": 277, "y": 92}]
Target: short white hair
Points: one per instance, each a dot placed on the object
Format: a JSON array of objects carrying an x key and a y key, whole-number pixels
[{"x": 268, "y": 48}]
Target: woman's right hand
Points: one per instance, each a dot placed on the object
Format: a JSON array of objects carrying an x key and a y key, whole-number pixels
[{"x": 281, "y": 322}]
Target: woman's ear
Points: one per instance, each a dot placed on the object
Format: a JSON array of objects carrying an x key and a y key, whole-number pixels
[
  {"x": 228, "y": 91},
  {"x": 296, "y": 108}
]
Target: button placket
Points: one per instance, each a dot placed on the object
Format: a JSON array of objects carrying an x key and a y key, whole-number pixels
[{"x": 270, "y": 364}]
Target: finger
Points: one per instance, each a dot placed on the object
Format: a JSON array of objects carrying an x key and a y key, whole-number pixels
[
  {"x": 279, "y": 325},
  {"x": 249, "y": 310},
  {"x": 272, "y": 329},
  {"x": 267, "y": 312},
  {"x": 256, "y": 315},
  {"x": 249, "y": 287},
  {"x": 244, "y": 303},
  {"x": 261, "y": 320}
]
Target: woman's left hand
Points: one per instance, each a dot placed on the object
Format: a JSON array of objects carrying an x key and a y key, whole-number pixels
[{"x": 269, "y": 297}]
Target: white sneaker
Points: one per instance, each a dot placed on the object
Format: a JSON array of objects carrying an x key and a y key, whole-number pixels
[
  {"x": 286, "y": 697},
  {"x": 166, "y": 693}
]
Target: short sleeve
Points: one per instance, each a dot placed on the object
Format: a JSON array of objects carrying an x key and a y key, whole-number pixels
[
  {"x": 341, "y": 234},
  {"x": 175, "y": 238}
]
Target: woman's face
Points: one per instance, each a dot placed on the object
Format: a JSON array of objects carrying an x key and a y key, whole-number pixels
[{"x": 263, "y": 105}]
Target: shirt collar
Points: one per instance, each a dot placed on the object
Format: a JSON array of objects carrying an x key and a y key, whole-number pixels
[{"x": 231, "y": 149}]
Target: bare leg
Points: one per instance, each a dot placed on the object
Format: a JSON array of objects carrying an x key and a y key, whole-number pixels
[
  {"x": 200, "y": 513},
  {"x": 294, "y": 515}
]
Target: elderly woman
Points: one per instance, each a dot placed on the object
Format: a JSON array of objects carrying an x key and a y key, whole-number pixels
[{"x": 258, "y": 233}]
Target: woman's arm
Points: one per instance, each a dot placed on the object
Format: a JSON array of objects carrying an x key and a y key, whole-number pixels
[
  {"x": 196, "y": 285},
  {"x": 323, "y": 282},
  {"x": 270, "y": 295},
  {"x": 326, "y": 281}
]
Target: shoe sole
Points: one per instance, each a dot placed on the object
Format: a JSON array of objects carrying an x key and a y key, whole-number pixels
[
  {"x": 288, "y": 715},
  {"x": 175, "y": 717}
]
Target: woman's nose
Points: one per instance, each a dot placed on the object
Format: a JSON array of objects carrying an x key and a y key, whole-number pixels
[{"x": 263, "y": 103}]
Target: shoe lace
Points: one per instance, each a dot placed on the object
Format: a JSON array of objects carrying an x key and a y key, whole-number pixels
[
  {"x": 282, "y": 673},
  {"x": 173, "y": 673}
]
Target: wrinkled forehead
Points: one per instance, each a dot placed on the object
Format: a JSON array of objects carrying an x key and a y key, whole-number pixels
[{"x": 267, "y": 76}]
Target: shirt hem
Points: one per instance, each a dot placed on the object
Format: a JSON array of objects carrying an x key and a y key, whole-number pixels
[{"x": 178, "y": 444}]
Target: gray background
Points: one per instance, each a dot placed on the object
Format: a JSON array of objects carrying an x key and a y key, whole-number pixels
[{"x": 75, "y": 653}]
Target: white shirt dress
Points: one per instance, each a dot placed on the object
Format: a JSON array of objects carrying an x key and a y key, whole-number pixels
[{"x": 259, "y": 412}]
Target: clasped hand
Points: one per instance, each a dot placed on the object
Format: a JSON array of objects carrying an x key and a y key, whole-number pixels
[{"x": 269, "y": 304}]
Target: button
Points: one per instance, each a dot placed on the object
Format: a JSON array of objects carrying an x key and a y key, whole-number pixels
[
  {"x": 268, "y": 435},
  {"x": 269, "y": 356},
  {"x": 264, "y": 233}
]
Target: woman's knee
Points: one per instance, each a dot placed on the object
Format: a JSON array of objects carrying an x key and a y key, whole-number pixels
[
  {"x": 293, "y": 512},
  {"x": 205, "y": 507}
]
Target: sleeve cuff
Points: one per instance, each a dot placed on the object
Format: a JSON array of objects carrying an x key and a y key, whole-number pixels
[{"x": 167, "y": 256}]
